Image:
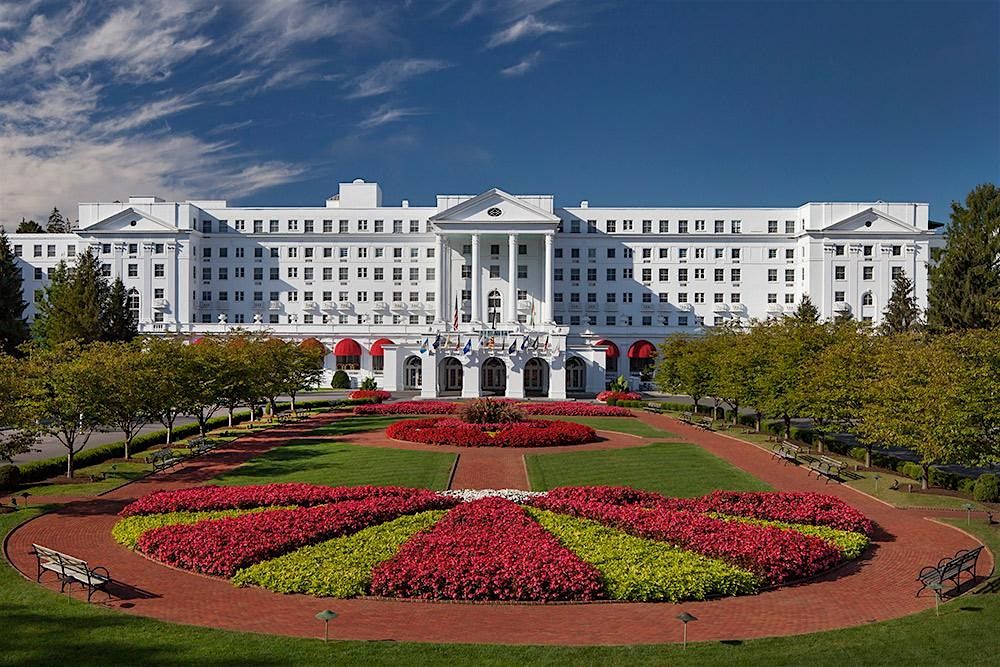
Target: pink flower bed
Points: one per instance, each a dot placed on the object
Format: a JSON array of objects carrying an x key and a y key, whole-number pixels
[
  {"x": 575, "y": 409},
  {"x": 377, "y": 395},
  {"x": 619, "y": 396},
  {"x": 408, "y": 408},
  {"x": 487, "y": 550},
  {"x": 220, "y": 547},
  {"x": 204, "y": 498},
  {"x": 809, "y": 508},
  {"x": 775, "y": 555},
  {"x": 527, "y": 433}
]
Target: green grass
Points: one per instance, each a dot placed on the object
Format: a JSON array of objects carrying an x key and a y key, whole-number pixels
[
  {"x": 620, "y": 424},
  {"x": 338, "y": 464},
  {"x": 671, "y": 468},
  {"x": 44, "y": 627},
  {"x": 355, "y": 424},
  {"x": 124, "y": 471},
  {"x": 903, "y": 498}
]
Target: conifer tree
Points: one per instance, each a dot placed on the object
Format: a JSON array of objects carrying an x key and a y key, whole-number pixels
[
  {"x": 965, "y": 280},
  {"x": 29, "y": 227},
  {"x": 902, "y": 312},
  {"x": 807, "y": 313},
  {"x": 57, "y": 223},
  {"x": 118, "y": 322},
  {"x": 13, "y": 328},
  {"x": 73, "y": 306}
]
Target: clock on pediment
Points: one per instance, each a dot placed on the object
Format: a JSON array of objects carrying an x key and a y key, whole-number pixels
[{"x": 494, "y": 212}]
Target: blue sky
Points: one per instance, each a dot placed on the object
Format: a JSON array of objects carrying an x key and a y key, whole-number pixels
[{"x": 669, "y": 103}]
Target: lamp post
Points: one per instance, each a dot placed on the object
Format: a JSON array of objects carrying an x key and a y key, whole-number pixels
[
  {"x": 968, "y": 507},
  {"x": 937, "y": 588},
  {"x": 326, "y": 616},
  {"x": 876, "y": 477},
  {"x": 685, "y": 618},
  {"x": 24, "y": 497}
]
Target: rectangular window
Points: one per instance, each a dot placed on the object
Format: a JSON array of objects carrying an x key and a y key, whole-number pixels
[
  {"x": 735, "y": 227},
  {"x": 522, "y": 271},
  {"x": 682, "y": 226},
  {"x": 839, "y": 273},
  {"x": 772, "y": 226}
]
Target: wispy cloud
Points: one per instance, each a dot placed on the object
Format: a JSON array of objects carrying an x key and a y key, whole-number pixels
[
  {"x": 524, "y": 28},
  {"x": 387, "y": 114},
  {"x": 524, "y": 66},
  {"x": 230, "y": 127},
  {"x": 389, "y": 75}
]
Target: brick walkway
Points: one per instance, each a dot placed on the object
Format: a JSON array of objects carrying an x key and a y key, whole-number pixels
[{"x": 879, "y": 588}]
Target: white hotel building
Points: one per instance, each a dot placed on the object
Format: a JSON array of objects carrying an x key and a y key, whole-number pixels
[{"x": 549, "y": 301}]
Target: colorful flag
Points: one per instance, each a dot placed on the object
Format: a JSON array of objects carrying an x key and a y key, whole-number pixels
[
  {"x": 458, "y": 343},
  {"x": 437, "y": 342},
  {"x": 534, "y": 344},
  {"x": 468, "y": 347},
  {"x": 546, "y": 343},
  {"x": 524, "y": 342},
  {"x": 423, "y": 346},
  {"x": 513, "y": 347},
  {"x": 454, "y": 322}
]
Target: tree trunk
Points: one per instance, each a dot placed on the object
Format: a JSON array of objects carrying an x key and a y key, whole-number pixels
[
  {"x": 201, "y": 424},
  {"x": 925, "y": 481},
  {"x": 69, "y": 463},
  {"x": 696, "y": 399},
  {"x": 230, "y": 417},
  {"x": 128, "y": 446},
  {"x": 736, "y": 413},
  {"x": 868, "y": 457},
  {"x": 291, "y": 395},
  {"x": 758, "y": 418}
]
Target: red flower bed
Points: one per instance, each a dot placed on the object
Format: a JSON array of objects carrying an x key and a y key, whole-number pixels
[
  {"x": 619, "y": 396},
  {"x": 376, "y": 395},
  {"x": 575, "y": 409},
  {"x": 809, "y": 508},
  {"x": 527, "y": 433},
  {"x": 774, "y": 554},
  {"x": 487, "y": 550},
  {"x": 220, "y": 547},
  {"x": 609, "y": 495},
  {"x": 408, "y": 408},
  {"x": 203, "y": 498}
]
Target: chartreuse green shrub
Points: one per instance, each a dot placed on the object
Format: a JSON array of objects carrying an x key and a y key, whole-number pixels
[
  {"x": 128, "y": 531},
  {"x": 633, "y": 568},
  {"x": 851, "y": 544},
  {"x": 341, "y": 567}
]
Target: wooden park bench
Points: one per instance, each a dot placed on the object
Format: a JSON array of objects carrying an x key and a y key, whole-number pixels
[
  {"x": 705, "y": 423},
  {"x": 828, "y": 468},
  {"x": 655, "y": 408},
  {"x": 201, "y": 445},
  {"x": 950, "y": 569},
  {"x": 163, "y": 459},
  {"x": 686, "y": 417},
  {"x": 70, "y": 569},
  {"x": 787, "y": 451}
]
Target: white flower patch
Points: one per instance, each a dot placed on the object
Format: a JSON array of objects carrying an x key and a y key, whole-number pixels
[{"x": 514, "y": 495}]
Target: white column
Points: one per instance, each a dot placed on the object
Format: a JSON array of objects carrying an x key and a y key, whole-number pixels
[
  {"x": 477, "y": 282},
  {"x": 547, "y": 302},
  {"x": 512, "y": 285},
  {"x": 442, "y": 281}
]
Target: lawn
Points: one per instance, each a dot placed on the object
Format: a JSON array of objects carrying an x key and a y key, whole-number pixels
[
  {"x": 903, "y": 498},
  {"x": 620, "y": 424},
  {"x": 671, "y": 468},
  {"x": 44, "y": 627},
  {"x": 355, "y": 424}
]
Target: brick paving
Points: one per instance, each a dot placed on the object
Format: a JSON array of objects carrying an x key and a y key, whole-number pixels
[{"x": 878, "y": 588}]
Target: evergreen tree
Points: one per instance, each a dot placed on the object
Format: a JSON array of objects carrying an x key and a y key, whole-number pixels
[
  {"x": 965, "y": 281},
  {"x": 73, "y": 307},
  {"x": 118, "y": 322},
  {"x": 57, "y": 223},
  {"x": 901, "y": 313},
  {"x": 13, "y": 328},
  {"x": 806, "y": 313},
  {"x": 29, "y": 227}
]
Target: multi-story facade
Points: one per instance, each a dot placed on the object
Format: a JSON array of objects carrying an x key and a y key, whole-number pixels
[{"x": 486, "y": 294}]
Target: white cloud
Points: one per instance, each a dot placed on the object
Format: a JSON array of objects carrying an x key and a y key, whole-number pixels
[
  {"x": 524, "y": 66},
  {"x": 387, "y": 114},
  {"x": 389, "y": 75},
  {"x": 523, "y": 28}
]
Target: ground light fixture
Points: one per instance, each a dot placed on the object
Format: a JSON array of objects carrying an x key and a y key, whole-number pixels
[
  {"x": 937, "y": 588},
  {"x": 876, "y": 477},
  {"x": 326, "y": 616},
  {"x": 685, "y": 618},
  {"x": 968, "y": 507}
]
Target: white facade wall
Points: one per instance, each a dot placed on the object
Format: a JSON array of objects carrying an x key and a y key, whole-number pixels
[{"x": 355, "y": 269}]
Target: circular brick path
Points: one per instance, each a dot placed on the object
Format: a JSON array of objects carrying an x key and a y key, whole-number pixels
[{"x": 880, "y": 587}]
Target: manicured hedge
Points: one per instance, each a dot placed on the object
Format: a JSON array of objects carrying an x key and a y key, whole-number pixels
[
  {"x": 637, "y": 569},
  {"x": 341, "y": 567},
  {"x": 489, "y": 549}
]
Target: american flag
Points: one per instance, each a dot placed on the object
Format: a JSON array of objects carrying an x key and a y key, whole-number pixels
[{"x": 454, "y": 322}]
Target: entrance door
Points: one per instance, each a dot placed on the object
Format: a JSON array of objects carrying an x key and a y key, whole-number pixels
[
  {"x": 576, "y": 375},
  {"x": 536, "y": 377},
  {"x": 413, "y": 373},
  {"x": 451, "y": 376},
  {"x": 494, "y": 377}
]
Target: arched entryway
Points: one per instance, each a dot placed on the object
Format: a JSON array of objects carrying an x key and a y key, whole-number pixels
[
  {"x": 641, "y": 358},
  {"x": 576, "y": 375},
  {"x": 536, "y": 377},
  {"x": 450, "y": 376},
  {"x": 611, "y": 356},
  {"x": 347, "y": 355},
  {"x": 493, "y": 377},
  {"x": 413, "y": 372},
  {"x": 494, "y": 308}
]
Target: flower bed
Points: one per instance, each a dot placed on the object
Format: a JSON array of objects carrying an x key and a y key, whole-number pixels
[
  {"x": 487, "y": 550},
  {"x": 527, "y": 433},
  {"x": 570, "y": 543},
  {"x": 373, "y": 395},
  {"x": 575, "y": 409},
  {"x": 605, "y": 396},
  {"x": 408, "y": 408}
]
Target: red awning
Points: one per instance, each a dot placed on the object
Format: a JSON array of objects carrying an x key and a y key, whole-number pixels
[
  {"x": 642, "y": 349},
  {"x": 612, "y": 348},
  {"x": 377, "y": 346},
  {"x": 347, "y": 348}
]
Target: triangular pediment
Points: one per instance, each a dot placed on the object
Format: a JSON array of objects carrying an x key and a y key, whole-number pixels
[
  {"x": 492, "y": 207},
  {"x": 870, "y": 220},
  {"x": 130, "y": 221}
]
